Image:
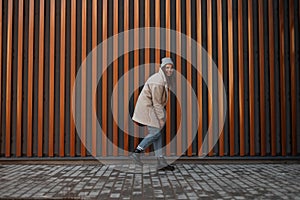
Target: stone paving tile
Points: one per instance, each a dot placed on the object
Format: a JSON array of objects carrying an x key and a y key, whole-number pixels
[{"x": 187, "y": 181}]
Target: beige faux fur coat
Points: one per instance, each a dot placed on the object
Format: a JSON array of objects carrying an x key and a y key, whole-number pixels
[{"x": 149, "y": 109}]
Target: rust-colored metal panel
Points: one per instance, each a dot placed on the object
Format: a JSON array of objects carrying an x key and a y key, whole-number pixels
[
  {"x": 1, "y": 35},
  {"x": 18, "y": 16},
  {"x": 51, "y": 78},
  {"x": 231, "y": 78},
  {"x": 293, "y": 76},
  {"x": 147, "y": 37},
  {"x": 20, "y": 73},
  {"x": 104, "y": 78},
  {"x": 220, "y": 84},
  {"x": 262, "y": 79},
  {"x": 157, "y": 34},
  {"x": 272, "y": 78},
  {"x": 147, "y": 52},
  {"x": 62, "y": 79},
  {"x": 241, "y": 78},
  {"x": 178, "y": 79},
  {"x": 83, "y": 79},
  {"x": 126, "y": 80},
  {"x": 189, "y": 77},
  {"x": 41, "y": 79},
  {"x": 282, "y": 79},
  {"x": 136, "y": 63},
  {"x": 72, "y": 76},
  {"x": 115, "y": 80},
  {"x": 168, "y": 54},
  {"x": 8, "y": 76},
  {"x": 209, "y": 75},
  {"x": 94, "y": 75},
  {"x": 30, "y": 78},
  {"x": 168, "y": 25},
  {"x": 199, "y": 76},
  {"x": 251, "y": 77}
]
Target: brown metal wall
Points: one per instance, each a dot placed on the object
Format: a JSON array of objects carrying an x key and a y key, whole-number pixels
[{"x": 255, "y": 44}]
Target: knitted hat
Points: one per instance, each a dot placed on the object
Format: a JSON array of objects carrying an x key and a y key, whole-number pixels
[{"x": 166, "y": 60}]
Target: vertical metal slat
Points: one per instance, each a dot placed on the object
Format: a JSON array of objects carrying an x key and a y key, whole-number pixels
[
  {"x": 189, "y": 77},
  {"x": 20, "y": 74},
  {"x": 282, "y": 79},
  {"x": 231, "y": 78},
  {"x": 168, "y": 54},
  {"x": 8, "y": 76},
  {"x": 272, "y": 78},
  {"x": 178, "y": 79},
  {"x": 30, "y": 78},
  {"x": 220, "y": 84},
  {"x": 209, "y": 76},
  {"x": 41, "y": 79},
  {"x": 241, "y": 78},
  {"x": 51, "y": 78},
  {"x": 251, "y": 77}
]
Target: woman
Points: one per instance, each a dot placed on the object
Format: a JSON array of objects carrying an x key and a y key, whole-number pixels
[{"x": 149, "y": 111}]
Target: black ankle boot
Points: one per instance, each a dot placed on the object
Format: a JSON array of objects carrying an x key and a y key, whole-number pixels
[
  {"x": 163, "y": 165},
  {"x": 136, "y": 157}
]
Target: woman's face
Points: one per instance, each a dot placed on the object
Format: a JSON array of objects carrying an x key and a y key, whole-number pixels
[{"x": 168, "y": 69}]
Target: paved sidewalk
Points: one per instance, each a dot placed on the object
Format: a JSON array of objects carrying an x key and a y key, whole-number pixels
[{"x": 187, "y": 181}]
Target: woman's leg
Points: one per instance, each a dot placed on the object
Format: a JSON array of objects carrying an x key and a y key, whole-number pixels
[
  {"x": 153, "y": 136},
  {"x": 157, "y": 144}
]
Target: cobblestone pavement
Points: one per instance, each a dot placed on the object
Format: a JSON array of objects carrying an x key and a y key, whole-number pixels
[{"x": 187, "y": 181}]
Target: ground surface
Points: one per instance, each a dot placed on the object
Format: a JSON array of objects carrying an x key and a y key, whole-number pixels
[{"x": 188, "y": 181}]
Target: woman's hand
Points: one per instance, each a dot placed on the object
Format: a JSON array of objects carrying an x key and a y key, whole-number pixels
[{"x": 162, "y": 123}]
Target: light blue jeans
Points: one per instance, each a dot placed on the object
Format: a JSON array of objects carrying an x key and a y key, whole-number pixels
[{"x": 154, "y": 137}]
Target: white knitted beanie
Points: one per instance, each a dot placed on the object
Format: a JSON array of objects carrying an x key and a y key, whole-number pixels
[{"x": 166, "y": 60}]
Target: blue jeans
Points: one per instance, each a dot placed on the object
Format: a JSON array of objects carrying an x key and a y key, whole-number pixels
[{"x": 154, "y": 137}]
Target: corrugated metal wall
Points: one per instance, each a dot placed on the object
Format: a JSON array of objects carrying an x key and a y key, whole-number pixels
[{"x": 255, "y": 44}]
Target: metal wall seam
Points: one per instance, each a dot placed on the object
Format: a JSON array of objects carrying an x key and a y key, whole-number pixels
[
  {"x": 136, "y": 63},
  {"x": 83, "y": 79},
  {"x": 72, "y": 76},
  {"x": 94, "y": 75},
  {"x": 126, "y": 80},
  {"x": 293, "y": 76},
  {"x": 104, "y": 79},
  {"x": 115, "y": 79}
]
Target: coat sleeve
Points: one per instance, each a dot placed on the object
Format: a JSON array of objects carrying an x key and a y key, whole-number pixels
[{"x": 158, "y": 92}]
